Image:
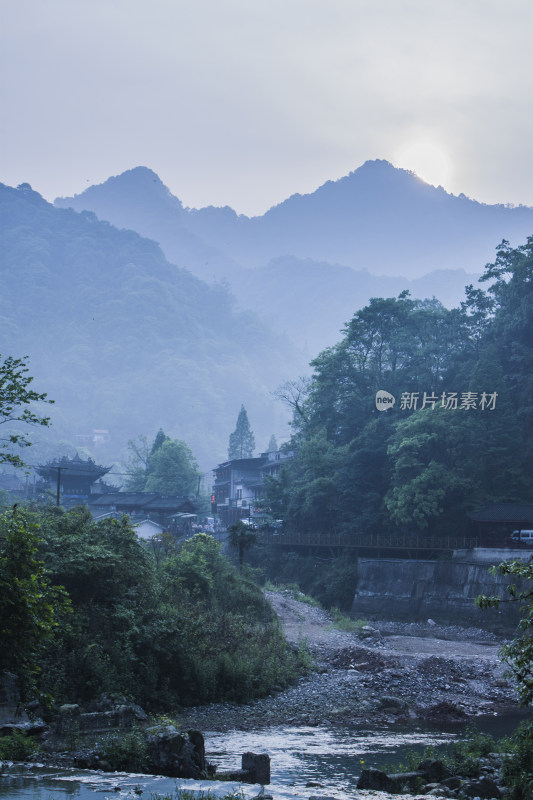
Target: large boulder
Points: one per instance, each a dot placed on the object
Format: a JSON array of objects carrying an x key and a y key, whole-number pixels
[
  {"x": 392, "y": 705},
  {"x": 178, "y": 754},
  {"x": 433, "y": 770}
]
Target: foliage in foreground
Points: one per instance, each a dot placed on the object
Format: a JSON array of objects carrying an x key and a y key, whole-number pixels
[
  {"x": 30, "y": 606},
  {"x": 517, "y": 771},
  {"x": 16, "y": 747},
  {"x": 191, "y": 631},
  {"x": 464, "y": 758},
  {"x": 16, "y": 401},
  {"x": 519, "y": 653}
]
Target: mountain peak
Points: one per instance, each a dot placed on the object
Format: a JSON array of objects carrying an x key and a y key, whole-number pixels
[
  {"x": 132, "y": 188},
  {"x": 138, "y": 175}
]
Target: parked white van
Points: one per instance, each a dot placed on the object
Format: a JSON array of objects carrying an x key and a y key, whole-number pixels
[{"x": 523, "y": 536}]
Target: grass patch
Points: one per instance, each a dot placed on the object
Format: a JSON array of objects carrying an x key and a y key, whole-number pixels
[
  {"x": 295, "y": 593},
  {"x": 343, "y": 622},
  {"x": 459, "y": 758},
  {"x": 126, "y": 751}
]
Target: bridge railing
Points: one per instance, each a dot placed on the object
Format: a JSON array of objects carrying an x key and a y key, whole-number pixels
[{"x": 374, "y": 541}]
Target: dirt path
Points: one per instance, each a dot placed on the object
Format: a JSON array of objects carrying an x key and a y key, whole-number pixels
[
  {"x": 394, "y": 673},
  {"x": 316, "y": 627}
]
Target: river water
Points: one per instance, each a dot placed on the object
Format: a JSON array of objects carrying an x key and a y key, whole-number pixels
[{"x": 330, "y": 756}]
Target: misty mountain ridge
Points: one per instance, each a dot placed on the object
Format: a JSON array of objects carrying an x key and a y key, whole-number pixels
[
  {"x": 389, "y": 218},
  {"x": 310, "y": 301},
  {"x": 379, "y": 218},
  {"x": 123, "y": 340}
]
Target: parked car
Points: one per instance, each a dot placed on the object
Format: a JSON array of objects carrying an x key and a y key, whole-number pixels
[{"x": 525, "y": 537}]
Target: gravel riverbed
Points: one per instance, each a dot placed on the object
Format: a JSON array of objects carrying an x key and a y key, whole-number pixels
[{"x": 393, "y": 672}]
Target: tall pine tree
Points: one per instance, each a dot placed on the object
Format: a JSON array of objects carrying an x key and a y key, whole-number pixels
[
  {"x": 272, "y": 445},
  {"x": 241, "y": 441}
]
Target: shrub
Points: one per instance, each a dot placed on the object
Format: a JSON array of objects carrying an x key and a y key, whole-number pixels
[
  {"x": 517, "y": 770},
  {"x": 127, "y": 751},
  {"x": 16, "y": 747}
]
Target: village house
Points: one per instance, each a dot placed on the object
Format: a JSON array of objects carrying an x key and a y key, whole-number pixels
[{"x": 239, "y": 485}]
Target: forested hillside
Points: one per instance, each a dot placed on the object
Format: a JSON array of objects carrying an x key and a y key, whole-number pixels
[
  {"x": 123, "y": 340},
  {"x": 460, "y": 433}
]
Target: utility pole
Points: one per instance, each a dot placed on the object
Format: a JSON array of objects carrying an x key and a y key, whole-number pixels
[{"x": 58, "y": 491}]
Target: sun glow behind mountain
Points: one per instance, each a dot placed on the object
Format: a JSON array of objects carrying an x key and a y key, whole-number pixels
[{"x": 428, "y": 160}]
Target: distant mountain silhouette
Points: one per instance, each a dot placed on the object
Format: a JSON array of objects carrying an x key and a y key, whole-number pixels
[
  {"x": 139, "y": 201},
  {"x": 378, "y": 218},
  {"x": 310, "y": 301},
  {"x": 318, "y": 258}
]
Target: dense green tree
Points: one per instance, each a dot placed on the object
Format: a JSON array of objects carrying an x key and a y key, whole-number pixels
[
  {"x": 160, "y": 439},
  {"x": 511, "y": 277},
  {"x": 419, "y": 465},
  {"x": 168, "y": 466},
  {"x": 426, "y": 452},
  {"x": 308, "y": 494},
  {"x": 30, "y": 606},
  {"x": 241, "y": 441},
  {"x": 181, "y": 629},
  {"x": 172, "y": 469},
  {"x": 16, "y": 399}
]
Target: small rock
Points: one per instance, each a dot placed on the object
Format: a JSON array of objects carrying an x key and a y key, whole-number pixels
[
  {"x": 392, "y": 705},
  {"x": 452, "y": 783},
  {"x": 313, "y": 785},
  {"x": 322, "y": 797}
]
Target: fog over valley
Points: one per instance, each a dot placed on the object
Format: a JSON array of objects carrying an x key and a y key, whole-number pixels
[{"x": 139, "y": 313}]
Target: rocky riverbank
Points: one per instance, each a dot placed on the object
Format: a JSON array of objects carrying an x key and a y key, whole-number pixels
[
  {"x": 380, "y": 676},
  {"x": 387, "y": 672}
]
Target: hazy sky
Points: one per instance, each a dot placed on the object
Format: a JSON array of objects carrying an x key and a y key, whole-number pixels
[{"x": 244, "y": 102}]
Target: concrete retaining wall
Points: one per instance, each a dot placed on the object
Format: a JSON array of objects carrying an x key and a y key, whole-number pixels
[{"x": 441, "y": 590}]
